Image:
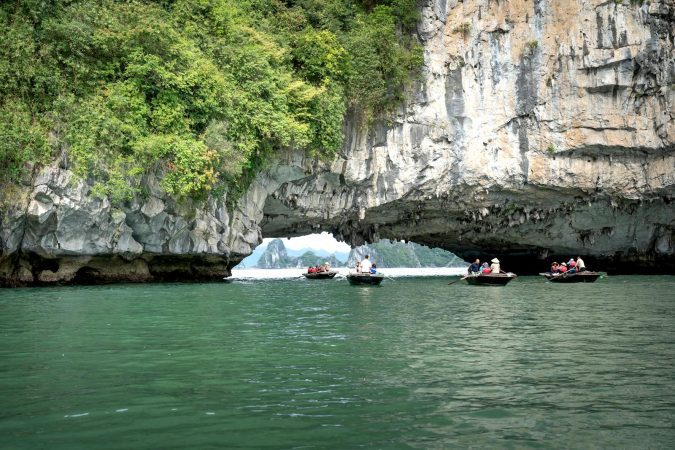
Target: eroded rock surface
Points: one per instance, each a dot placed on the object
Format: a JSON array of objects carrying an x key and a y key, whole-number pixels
[
  {"x": 55, "y": 231},
  {"x": 538, "y": 129}
]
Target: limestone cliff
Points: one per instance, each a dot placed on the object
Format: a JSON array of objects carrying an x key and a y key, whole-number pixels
[
  {"x": 538, "y": 128},
  {"x": 275, "y": 256}
]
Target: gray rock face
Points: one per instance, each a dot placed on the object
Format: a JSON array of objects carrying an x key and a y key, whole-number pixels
[
  {"x": 538, "y": 129},
  {"x": 275, "y": 256},
  {"x": 55, "y": 231}
]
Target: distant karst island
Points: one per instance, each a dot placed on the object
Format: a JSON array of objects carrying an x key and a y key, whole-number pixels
[{"x": 384, "y": 253}]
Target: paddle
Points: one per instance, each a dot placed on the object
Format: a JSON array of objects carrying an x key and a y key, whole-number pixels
[
  {"x": 459, "y": 279},
  {"x": 390, "y": 278}
]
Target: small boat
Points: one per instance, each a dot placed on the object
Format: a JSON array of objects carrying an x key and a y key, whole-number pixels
[
  {"x": 365, "y": 278},
  {"x": 577, "y": 277},
  {"x": 490, "y": 279},
  {"x": 320, "y": 275}
]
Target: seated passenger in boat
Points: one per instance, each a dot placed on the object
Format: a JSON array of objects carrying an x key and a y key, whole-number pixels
[
  {"x": 365, "y": 264},
  {"x": 571, "y": 266},
  {"x": 555, "y": 268},
  {"x": 474, "y": 267},
  {"x": 494, "y": 267},
  {"x": 311, "y": 270},
  {"x": 485, "y": 268},
  {"x": 373, "y": 269},
  {"x": 562, "y": 268}
]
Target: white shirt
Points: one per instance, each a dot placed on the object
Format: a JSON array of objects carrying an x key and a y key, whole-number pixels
[
  {"x": 365, "y": 265},
  {"x": 580, "y": 264},
  {"x": 495, "y": 268}
]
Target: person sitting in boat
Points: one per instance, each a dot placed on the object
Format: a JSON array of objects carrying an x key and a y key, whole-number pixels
[
  {"x": 494, "y": 267},
  {"x": 373, "y": 269},
  {"x": 358, "y": 267},
  {"x": 572, "y": 266},
  {"x": 562, "y": 268},
  {"x": 581, "y": 266},
  {"x": 311, "y": 270},
  {"x": 474, "y": 267},
  {"x": 365, "y": 264},
  {"x": 555, "y": 268},
  {"x": 485, "y": 268},
  {"x": 326, "y": 266}
]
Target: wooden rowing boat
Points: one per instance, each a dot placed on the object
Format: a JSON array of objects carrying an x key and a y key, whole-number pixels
[
  {"x": 365, "y": 278},
  {"x": 490, "y": 279},
  {"x": 577, "y": 277},
  {"x": 320, "y": 275}
]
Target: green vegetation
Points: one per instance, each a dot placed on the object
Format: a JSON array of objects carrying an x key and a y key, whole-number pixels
[
  {"x": 533, "y": 45},
  {"x": 551, "y": 148},
  {"x": 463, "y": 29},
  {"x": 202, "y": 91}
]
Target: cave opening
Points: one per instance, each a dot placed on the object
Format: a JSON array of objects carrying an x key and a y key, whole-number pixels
[{"x": 316, "y": 249}]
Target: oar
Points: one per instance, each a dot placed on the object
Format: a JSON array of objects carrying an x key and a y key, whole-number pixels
[
  {"x": 459, "y": 279},
  {"x": 390, "y": 278}
]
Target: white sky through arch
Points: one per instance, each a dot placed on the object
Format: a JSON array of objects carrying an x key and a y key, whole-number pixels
[{"x": 324, "y": 241}]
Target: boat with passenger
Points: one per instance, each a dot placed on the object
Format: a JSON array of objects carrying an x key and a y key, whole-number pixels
[
  {"x": 365, "y": 273},
  {"x": 573, "y": 271},
  {"x": 485, "y": 275},
  {"x": 322, "y": 272}
]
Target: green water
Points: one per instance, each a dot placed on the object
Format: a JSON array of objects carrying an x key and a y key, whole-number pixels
[{"x": 414, "y": 363}]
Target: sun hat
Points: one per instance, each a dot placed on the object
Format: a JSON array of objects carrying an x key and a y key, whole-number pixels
[
  {"x": 564, "y": 264},
  {"x": 495, "y": 260}
]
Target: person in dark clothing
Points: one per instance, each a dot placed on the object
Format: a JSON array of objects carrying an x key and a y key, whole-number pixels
[{"x": 475, "y": 266}]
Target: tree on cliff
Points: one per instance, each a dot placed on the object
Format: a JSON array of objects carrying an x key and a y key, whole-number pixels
[{"x": 200, "y": 91}]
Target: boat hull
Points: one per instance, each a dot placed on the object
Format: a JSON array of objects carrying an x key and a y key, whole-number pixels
[
  {"x": 580, "y": 277},
  {"x": 500, "y": 279},
  {"x": 320, "y": 275},
  {"x": 365, "y": 279}
]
